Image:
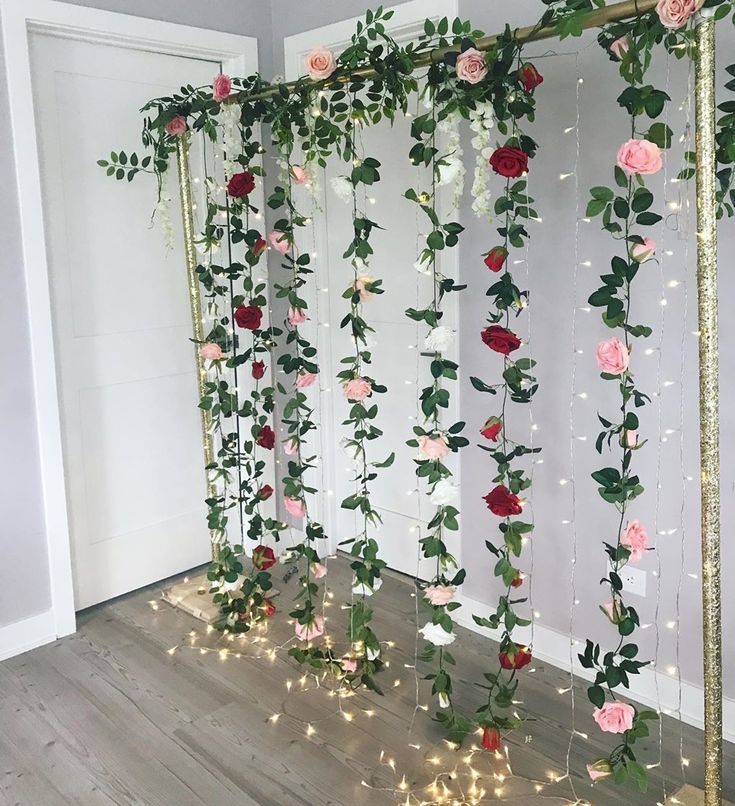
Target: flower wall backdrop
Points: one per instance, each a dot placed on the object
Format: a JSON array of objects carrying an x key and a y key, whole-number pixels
[{"x": 495, "y": 92}]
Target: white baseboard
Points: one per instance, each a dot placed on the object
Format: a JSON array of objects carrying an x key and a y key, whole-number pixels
[
  {"x": 552, "y": 646},
  {"x": 27, "y": 634}
]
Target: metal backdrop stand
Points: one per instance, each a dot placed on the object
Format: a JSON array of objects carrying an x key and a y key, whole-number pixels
[{"x": 708, "y": 343}]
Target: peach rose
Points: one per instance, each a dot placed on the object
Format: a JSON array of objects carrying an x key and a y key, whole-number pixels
[
  {"x": 211, "y": 351},
  {"x": 295, "y": 507},
  {"x": 357, "y": 389},
  {"x": 440, "y": 595},
  {"x": 290, "y": 446},
  {"x": 308, "y": 632},
  {"x": 299, "y": 174},
  {"x": 176, "y": 126},
  {"x": 297, "y": 316},
  {"x": 635, "y": 539},
  {"x": 221, "y": 87},
  {"x": 640, "y": 157},
  {"x": 305, "y": 379},
  {"x": 320, "y": 63},
  {"x": 612, "y": 356},
  {"x": 629, "y": 438},
  {"x": 279, "y": 241},
  {"x": 643, "y": 251},
  {"x": 612, "y": 610},
  {"x": 599, "y": 769},
  {"x": 619, "y": 47},
  {"x": 433, "y": 447},
  {"x": 471, "y": 66},
  {"x": 361, "y": 287},
  {"x": 676, "y": 13},
  {"x": 318, "y": 571},
  {"x": 614, "y": 717}
]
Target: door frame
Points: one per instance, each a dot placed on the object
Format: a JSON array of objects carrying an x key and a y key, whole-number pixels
[
  {"x": 407, "y": 22},
  {"x": 230, "y": 52}
]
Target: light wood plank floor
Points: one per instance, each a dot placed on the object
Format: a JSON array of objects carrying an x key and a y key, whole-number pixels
[{"x": 108, "y": 716}]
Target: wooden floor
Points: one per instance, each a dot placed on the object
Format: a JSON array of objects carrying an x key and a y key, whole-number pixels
[{"x": 109, "y": 716}]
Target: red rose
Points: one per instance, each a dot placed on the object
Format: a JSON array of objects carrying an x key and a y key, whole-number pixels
[
  {"x": 241, "y": 185},
  {"x": 260, "y": 247},
  {"x": 520, "y": 657},
  {"x": 263, "y": 558},
  {"x": 500, "y": 340},
  {"x": 502, "y": 502},
  {"x": 518, "y": 581},
  {"x": 491, "y": 739},
  {"x": 258, "y": 370},
  {"x": 496, "y": 258},
  {"x": 268, "y": 607},
  {"x": 266, "y": 437},
  {"x": 530, "y": 77},
  {"x": 509, "y": 162},
  {"x": 248, "y": 317},
  {"x": 265, "y": 492},
  {"x": 492, "y": 428}
]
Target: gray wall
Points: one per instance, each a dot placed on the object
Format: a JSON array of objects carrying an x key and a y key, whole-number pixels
[{"x": 551, "y": 262}]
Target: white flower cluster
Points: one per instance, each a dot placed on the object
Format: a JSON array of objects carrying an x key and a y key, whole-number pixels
[
  {"x": 342, "y": 186},
  {"x": 163, "y": 213},
  {"x": 482, "y": 121},
  {"x": 231, "y": 139},
  {"x": 454, "y": 171}
]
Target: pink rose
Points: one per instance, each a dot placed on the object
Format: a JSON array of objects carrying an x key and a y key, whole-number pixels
[
  {"x": 599, "y": 769},
  {"x": 279, "y": 240},
  {"x": 320, "y": 63},
  {"x": 318, "y": 571},
  {"x": 612, "y": 356},
  {"x": 211, "y": 351},
  {"x": 305, "y": 379},
  {"x": 221, "y": 87},
  {"x": 361, "y": 287},
  {"x": 299, "y": 174},
  {"x": 295, "y": 507},
  {"x": 613, "y": 611},
  {"x": 635, "y": 539},
  {"x": 619, "y": 47},
  {"x": 176, "y": 126},
  {"x": 308, "y": 632},
  {"x": 440, "y": 595},
  {"x": 471, "y": 66},
  {"x": 290, "y": 446},
  {"x": 676, "y": 13},
  {"x": 640, "y": 157},
  {"x": 357, "y": 389},
  {"x": 349, "y": 665},
  {"x": 297, "y": 316},
  {"x": 629, "y": 438},
  {"x": 643, "y": 251},
  {"x": 433, "y": 447},
  {"x": 614, "y": 717}
]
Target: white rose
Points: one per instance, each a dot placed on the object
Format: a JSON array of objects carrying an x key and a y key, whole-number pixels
[
  {"x": 444, "y": 700},
  {"x": 448, "y": 173},
  {"x": 439, "y": 339},
  {"x": 437, "y": 635},
  {"x": 372, "y": 654},
  {"x": 422, "y": 267},
  {"x": 227, "y": 587},
  {"x": 363, "y": 589},
  {"x": 444, "y": 492},
  {"x": 342, "y": 186},
  {"x": 360, "y": 265}
]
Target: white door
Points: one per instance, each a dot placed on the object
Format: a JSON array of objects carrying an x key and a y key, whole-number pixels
[
  {"x": 128, "y": 398},
  {"x": 398, "y": 342}
]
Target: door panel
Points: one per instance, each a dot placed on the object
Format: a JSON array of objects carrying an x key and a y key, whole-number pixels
[{"x": 131, "y": 434}]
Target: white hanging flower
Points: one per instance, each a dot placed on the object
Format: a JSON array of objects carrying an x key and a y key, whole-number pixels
[
  {"x": 363, "y": 589},
  {"x": 342, "y": 186},
  {"x": 482, "y": 122},
  {"x": 444, "y": 492},
  {"x": 437, "y": 635},
  {"x": 439, "y": 339},
  {"x": 449, "y": 171},
  {"x": 444, "y": 701},
  {"x": 163, "y": 213},
  {"x": 229, "y": 118}
]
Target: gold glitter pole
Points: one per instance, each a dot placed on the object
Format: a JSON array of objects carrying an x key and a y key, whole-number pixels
[
  {"x": 195, "y": 302},
  {"x": 709, "y": 405}
]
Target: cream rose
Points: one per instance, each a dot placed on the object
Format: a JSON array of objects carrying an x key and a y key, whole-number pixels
[{"x": 437, "y": 635}]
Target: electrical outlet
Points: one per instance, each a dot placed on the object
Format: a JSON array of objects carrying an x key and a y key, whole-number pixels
[{"x": 634, "y": 580}]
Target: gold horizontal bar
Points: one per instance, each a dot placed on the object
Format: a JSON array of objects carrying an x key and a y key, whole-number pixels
[{"x": 531, "y": 33}]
